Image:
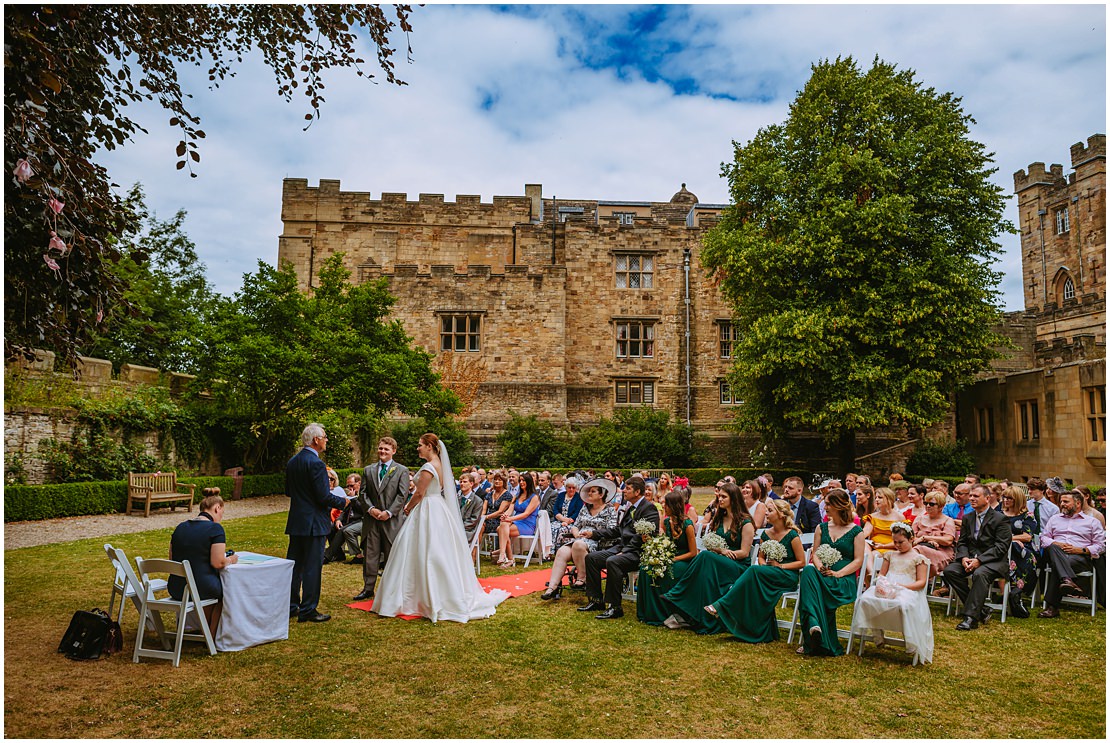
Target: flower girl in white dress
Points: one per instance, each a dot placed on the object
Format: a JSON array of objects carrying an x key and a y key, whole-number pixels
[{"x": 897, "y": 603}]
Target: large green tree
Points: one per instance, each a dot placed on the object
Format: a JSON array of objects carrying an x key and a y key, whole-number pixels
[
  {"x": 276, "y": 358},
  {"x": 70, "y": 73},
  {"x": 856, "y": 255}
]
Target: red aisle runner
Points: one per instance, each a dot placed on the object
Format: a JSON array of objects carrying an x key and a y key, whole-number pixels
[{"x": 516, "y": 584}]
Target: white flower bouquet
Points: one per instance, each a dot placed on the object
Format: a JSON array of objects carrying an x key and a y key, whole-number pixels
[
  {"x": 828, "y": 555},
  {"x": 773, "y": 551},
  {"x": 657, "y": 558},
  {"x": 714, "y": 542},
  {"x": 645, "y": 528}
]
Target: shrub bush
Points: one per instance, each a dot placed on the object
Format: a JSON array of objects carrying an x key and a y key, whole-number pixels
[
  {"x": 527, "y": 441},
  {"x": 937, "y": 455}
]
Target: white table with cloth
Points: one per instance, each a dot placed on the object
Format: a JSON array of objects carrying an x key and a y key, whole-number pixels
[{"x": 256, "y": 601}]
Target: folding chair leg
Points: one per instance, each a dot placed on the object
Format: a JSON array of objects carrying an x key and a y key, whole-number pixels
[{"x": 794, "y": 624}]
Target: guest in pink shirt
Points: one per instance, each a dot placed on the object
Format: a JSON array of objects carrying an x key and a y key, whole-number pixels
[{"x": 1071, "y": 541}]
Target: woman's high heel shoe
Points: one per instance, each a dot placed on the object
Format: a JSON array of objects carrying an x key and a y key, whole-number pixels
[{"x": 552, "y": 594}]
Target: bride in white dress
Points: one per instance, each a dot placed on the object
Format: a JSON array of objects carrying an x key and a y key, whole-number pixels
[
  {"x": 897, "y": 603},
  {"x": 430, "y": 572}
]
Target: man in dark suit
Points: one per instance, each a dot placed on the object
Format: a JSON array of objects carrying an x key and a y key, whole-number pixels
[
  {"x": 807, "y": 514},
  {"x": 308, "y": 524},
  {"x": 547, "y": 493},
  {"x": 982, "y": 554},
  {"x": 623, "y": 557},
  {"x": 385, "y": 488}
]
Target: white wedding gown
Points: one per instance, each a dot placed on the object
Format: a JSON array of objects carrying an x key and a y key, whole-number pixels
[
  {"x": 906, "y": 612},
  {"x": 429, "y": 571}
]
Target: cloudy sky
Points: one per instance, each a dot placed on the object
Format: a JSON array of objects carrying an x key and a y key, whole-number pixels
[{"x": 620, "y": 102}]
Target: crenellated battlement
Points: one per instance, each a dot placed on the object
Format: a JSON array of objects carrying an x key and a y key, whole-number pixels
[
  {"x": 1037, "y": 175},
  {"x": 1095, "y": 148}
]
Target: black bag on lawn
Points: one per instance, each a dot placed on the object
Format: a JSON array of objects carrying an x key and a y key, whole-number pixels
[{"x": 88, "y": 635}]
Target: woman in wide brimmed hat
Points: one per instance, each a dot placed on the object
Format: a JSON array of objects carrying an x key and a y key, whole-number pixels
[{"x": 597, "y": 512}]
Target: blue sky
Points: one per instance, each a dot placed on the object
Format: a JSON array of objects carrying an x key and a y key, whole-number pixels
[{"x": 620, "y": 102}]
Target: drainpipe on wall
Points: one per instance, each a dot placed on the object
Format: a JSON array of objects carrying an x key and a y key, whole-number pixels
[
  {"x": 1044, "y": 269},
  {"x": 554, "y": 223},
  {"x": 1078, "y": 241},
  {"x": 686, "y": 271}
]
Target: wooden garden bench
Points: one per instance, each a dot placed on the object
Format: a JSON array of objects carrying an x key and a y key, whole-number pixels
[{"x": 160, "y": 487}]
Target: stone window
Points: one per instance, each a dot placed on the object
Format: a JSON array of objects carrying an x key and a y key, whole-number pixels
[
  {"x": 1095, "y": 402},
  {"x": 1063, "y": 224},
  {"x": 726, "y": 394},
  {"x": 635, "y": 339},
  {"x": 1068, "y": 289},
  {"x": 634, "y": 392},
  {"x": 635, "y": 271},
  {"x": 625, "y": 217},
  {"x": 984, "y": 419},
  {"x": 1028, "y": 415},
  {"x": 460, "y": 332},
  {"x": 726, "y": 335}
]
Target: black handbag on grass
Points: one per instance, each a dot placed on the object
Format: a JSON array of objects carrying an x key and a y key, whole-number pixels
[{"x": 91, "y": 634}]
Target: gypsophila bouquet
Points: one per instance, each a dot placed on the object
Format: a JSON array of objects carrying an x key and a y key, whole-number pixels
[
  {"x": 828, "y": 555},
  {"x": 658, "y": 557},
  {"x": 714, "y": 542},
  {"x": 645, "y": 528},
  {"x": 772, "y": 551}
]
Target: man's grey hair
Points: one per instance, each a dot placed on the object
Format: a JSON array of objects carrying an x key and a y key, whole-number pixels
[{"x": 310, "y": 432}]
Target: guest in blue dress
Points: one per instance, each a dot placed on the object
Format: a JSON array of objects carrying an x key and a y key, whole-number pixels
[
  {"x": 520, "y": 521},
  {"x": 202, "y": 542}
]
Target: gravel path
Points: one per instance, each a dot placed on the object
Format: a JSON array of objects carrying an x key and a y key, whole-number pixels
[{"x": 52, "y": 531}]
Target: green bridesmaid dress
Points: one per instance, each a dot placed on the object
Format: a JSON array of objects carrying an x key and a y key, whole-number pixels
[
  {"x": 650, "y": 608},
  {"x": 709, "y": 577},
  {"x": 820, "y": 596},
  {"x": 748, "y": 609}
]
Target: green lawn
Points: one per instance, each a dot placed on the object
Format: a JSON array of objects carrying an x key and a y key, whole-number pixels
[{"x": 536, "y": 669}]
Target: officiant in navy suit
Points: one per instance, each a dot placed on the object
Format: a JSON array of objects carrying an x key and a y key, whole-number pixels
[{"x": 308, "y": 524}]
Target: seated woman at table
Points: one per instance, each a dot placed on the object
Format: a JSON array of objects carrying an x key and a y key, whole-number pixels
[
  {"x": 714, "y": 570},
  {"x": 650, "y": 609},
  {"x": 202, "y": 542},
  {"x": 748, "y": 609}
]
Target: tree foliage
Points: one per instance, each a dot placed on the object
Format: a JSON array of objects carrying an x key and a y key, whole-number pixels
[
  {"x": 167, "y": 297},
  {"x": 277, "y": 358},
  {"x": 940, "y": 457},
  {"x": 71, "y": 71},
  {"x": 856, "y": 256}
]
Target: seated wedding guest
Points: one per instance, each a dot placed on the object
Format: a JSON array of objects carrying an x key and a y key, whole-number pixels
[
  {"x": 901, "y": 490},
  {"x": 1100, "y": 500},
  {"x": 618, "y": 478},
  {"x": 942, "y": 486},
  {"x": 559, "y": 480},
  {"x": 960, "y": 505},
  {"x": 1024, "y": 533},
  {"x": 865, "y": 498},
  {"x": 334, "y": 513},
  {"x": 934, "y": 534},
  {"x": 823, "y": 588},
  {"x": 567, "y": 507},
  {"x": 807, "y": 514},
  {"x": 347, "y": 527},
  {"x": 1041, "y": 508},
  {"x": 715, "y": 569},
  {"x": 752, "y": 493},
  {"x": 711, "y": 507},
  {"x": 994, "y": 495},
  {"x": 545, "y": 489},
  {"x": 1056, "y": 488},
  {"x": 471, "y": 505},
  {"x": 514, "y": 482},
  {"x": 650, "y": 607},
  {"x": 747, "y": 610},
  {"x": 684, "y": 489},
  {"x": 767, "y": 480},
  {"x": 201, "y": 541},
  {"x": 519, "y": 521},
  {"x": 595, "y": 513},
  {"x": 498, "y": 501},
  {"x": 652, "y": 494},
  {"x": 1071, "y": 541},
  {"x": 982, "y": 556},
  {"x": 622, "y": 558},
  {"x": 663, "y": 486},
  {"x": 916, "y": 497},
  {"x": 896, "y": 602},
  {"x": 1089, "y": 505},
  {"x": 876, "y": 525}
]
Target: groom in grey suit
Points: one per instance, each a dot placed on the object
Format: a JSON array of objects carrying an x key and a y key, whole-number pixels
[{"x": 385, "y": 488}]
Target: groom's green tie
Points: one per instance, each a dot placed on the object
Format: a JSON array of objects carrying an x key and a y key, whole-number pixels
[{"x": 381, "y": 472}]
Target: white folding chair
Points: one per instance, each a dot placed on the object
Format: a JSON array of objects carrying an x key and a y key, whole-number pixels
[
  {"x": 629, "y": 591},
  {"x": 795, "y": 624},
  {"x": 475, "y": 542},
  {"x": 543, "y": 525},
  {"x": 699, "y": 532},
  {"x": 133, "y": 588},
  {"x": 807, "y": 545},
  {"x": 190, "y": 606},
  {"x": 872, "y": 566},
  {"x": 121, "y": 586},
  {"x": 1091, "y": 599}
]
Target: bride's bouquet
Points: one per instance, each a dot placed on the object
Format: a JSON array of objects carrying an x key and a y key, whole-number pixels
[
  {"x": 658, "y": 556},
  {"x": 714, "y": 542},
  {"x": 772, "y": 551},
  {"x": 645, "y": 528},
  {"x": 828, "y": 555}
]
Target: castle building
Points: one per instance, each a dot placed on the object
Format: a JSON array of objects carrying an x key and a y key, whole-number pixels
[{"x": 1042, "y": 410}]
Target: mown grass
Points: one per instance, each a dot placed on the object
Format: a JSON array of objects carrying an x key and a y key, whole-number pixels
[{"x": 536, "y": 669}]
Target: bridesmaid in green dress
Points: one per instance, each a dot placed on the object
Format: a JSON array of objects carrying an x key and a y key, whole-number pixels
[
  {"x": 748, "y": 609},
  {"x": 711, "y": 573},
  {"x": 650, "y": 608},
  {"x": 825, "y": 587}
]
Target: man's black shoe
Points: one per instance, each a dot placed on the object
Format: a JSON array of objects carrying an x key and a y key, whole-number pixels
[
  {"x": 968, "y": 623},
  {"x": 593, "y": 606},
  {"x": 364, "y": 596},
  {"x": 315, "y": 617},
  {"x": 611, "y": 613},
  {"x": 986, "y": 615}
]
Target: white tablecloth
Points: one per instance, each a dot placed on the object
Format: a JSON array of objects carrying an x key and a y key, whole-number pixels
[{"x": 256, "y": 601}]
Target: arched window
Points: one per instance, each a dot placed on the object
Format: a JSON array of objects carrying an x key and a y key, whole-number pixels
[{"x": 1068, "y": 289}]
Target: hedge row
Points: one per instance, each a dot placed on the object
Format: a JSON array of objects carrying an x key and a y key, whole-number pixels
[{"x": 36, "y": 502}]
